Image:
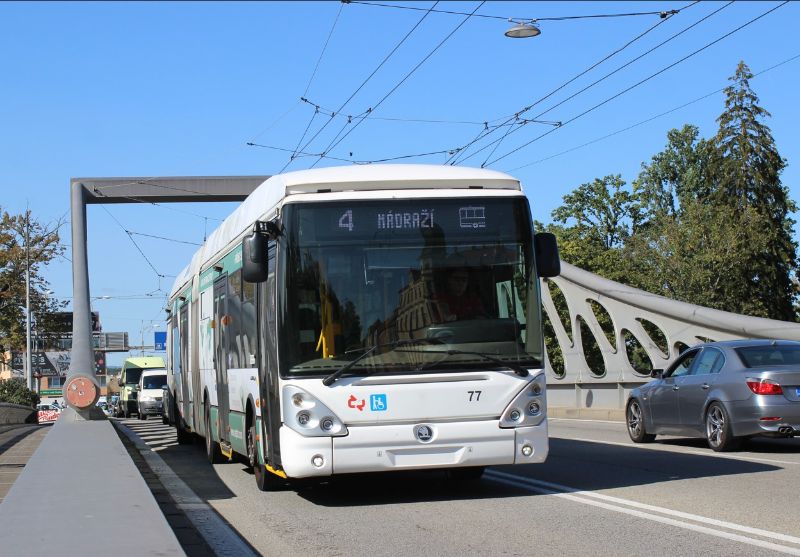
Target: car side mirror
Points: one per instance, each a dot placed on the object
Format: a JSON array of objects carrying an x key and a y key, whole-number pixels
[
  {"x": 657, "y": 373},
  {"x": 548, "y": 262}
]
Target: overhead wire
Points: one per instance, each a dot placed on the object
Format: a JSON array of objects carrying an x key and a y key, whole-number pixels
[
  {"x": 324, "y": 48},
  {"x": 369, "y": 77},
  {"x": 625, "y": 65},
  {"x": 139, "y": 249},
  {"x": 299, "y": 153},
  {"x": 504, "y": 18},
  {"x": 367, "y": 114},
  {"x": 461, "y": 157},
  {"x": 308, "y": 86},
  {"x": 650, "y": 119},
  {"x": 642, "y": 81},
  {"x": 278, "y": 119},
  {"x": 164, "y": 238},
  {"x": 332, "y": 146}
]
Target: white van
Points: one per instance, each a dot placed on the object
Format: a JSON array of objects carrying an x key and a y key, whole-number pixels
[{"x": 150, "y": 392}]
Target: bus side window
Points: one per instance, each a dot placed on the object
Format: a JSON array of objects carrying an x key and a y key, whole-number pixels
[
  {"x": 234, "y": 321},
  {"x": 248, "y": 319}
]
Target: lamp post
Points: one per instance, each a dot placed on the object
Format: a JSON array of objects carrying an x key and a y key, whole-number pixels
[{"x": 28, "y": 360}]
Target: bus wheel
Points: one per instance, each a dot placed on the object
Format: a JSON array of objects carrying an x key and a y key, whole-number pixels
[
  {"x": 213, "y": 453},
  {"x": 264, "y": 480},
  {"x": 184, "y": 437}
]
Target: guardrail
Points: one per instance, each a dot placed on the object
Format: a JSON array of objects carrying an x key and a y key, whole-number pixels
[
  {"x": 11, "y": 414},
  {"x": 632, "y": 312}
]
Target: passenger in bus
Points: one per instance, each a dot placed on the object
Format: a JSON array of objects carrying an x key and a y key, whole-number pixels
[{"x": 458, "y": 300}]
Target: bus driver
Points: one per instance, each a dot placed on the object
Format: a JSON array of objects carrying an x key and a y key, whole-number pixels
[{"x": 459, "y": 301}]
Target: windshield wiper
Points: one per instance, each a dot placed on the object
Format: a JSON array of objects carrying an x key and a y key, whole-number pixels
[
  {"x": 519, "y": 370},
  {"x": 330, "y": 379}
]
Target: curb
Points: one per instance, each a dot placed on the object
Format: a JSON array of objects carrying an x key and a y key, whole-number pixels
[
  {"x": 219, "y": 537},
  {"x": 608, "y": 414}
]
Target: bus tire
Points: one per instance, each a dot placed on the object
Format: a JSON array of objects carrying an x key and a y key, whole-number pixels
[
  {"x": 184, "y": 437},
  {"x": 265, "y": 480},
  {"x": 213, "y": 452}
]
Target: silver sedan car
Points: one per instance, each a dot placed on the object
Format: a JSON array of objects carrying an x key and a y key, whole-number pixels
[{"x": 723, "y": 391}]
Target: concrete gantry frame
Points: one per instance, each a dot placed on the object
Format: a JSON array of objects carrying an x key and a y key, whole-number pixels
[{"x": 82, "y": 389}]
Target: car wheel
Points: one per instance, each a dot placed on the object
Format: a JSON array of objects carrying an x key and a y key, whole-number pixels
[
  {"x": 719, "y": 432},
  {"x": 634, "y": 417},
  {"x": 265, "y": 480},
  {"x": 213, "y": 452}
]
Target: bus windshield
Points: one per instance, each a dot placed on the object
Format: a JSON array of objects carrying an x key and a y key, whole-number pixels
[{"x": 451, "y": 279}]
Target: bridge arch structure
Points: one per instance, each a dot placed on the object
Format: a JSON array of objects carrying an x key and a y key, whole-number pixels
[{"x": 660, "y": 326}]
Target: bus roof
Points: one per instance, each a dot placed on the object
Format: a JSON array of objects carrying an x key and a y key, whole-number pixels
[{"x": 372, "y": 177}]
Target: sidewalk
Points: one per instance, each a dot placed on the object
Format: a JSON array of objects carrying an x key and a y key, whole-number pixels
[
  {"x": 17, "y": 445},
  {"x": 91, "y": 464}
]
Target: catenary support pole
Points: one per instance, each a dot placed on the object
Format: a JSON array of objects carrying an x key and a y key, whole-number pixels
[{"x": 81, "y": 390}]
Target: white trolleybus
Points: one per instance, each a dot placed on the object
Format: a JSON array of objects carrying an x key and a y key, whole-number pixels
[{"x": 363, "y": 319}]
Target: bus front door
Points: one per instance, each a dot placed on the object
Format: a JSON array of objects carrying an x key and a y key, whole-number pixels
[{"x": 221, "y": 320}]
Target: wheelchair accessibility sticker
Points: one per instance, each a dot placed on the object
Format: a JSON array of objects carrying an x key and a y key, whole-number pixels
[{"x": 377, "y": 403}]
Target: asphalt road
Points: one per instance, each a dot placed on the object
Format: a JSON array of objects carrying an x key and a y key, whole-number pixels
[{"x": 597, "y": 494}]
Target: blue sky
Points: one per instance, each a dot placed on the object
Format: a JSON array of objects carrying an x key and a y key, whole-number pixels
[{"x": 168, "y": 89}]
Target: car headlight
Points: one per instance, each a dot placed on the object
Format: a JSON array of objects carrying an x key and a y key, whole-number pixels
[{"x": 306, "y": 415}]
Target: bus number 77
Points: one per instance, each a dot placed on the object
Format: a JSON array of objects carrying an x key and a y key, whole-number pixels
[{"x": 474, "y": 396}]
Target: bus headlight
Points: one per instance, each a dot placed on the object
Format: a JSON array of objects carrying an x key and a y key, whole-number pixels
[
  {"x": 528, "y": 407},
  {"x": 305, "y": 414}
]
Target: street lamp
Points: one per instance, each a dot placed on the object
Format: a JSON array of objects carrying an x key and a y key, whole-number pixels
[{"x": 523, "y": 30}]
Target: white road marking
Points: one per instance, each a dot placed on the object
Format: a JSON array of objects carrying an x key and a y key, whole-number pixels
[
  {"x": 664, "y": 448},
  {"x": 617, "y": 504}
]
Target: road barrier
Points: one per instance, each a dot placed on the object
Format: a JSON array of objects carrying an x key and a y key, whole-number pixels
[{"x": 16, "y": 414}]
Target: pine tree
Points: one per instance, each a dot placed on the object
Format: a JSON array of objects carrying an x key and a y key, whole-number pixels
[{"x": 749, "y": 176}]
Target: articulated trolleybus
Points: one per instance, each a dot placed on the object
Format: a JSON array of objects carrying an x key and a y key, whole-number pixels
[{"x": 364, "y": 319}]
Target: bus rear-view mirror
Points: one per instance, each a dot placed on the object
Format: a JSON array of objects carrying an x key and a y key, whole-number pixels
[
  {"x": 548, "y": 263},
  {"x": 254, "y": 258}
]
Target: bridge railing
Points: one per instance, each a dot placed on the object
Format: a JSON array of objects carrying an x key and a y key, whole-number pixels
[{"x": 632, "y": 312}]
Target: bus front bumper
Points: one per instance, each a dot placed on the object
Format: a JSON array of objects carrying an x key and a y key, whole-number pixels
[{"x": 377, "y": 448}]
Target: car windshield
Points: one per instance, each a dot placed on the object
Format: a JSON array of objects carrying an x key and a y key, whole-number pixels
[
  {"x": 454, "y": 272},
  {"x": 154, "y": 381},
  {"x": 769, "y": 355}
]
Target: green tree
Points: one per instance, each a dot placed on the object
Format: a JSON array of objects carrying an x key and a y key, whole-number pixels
[
  {"x": 716, "y": 229},
  {"x": 14, "y": 391},
  {"x": 684, "y": 171},
  {"x": 749, "y": 176},
  {"x": 42, "y": 246},
  {"x": 594, "y": 223}
]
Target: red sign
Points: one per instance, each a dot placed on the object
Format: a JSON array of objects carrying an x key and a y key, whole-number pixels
[{"x": 46, "y": 416}]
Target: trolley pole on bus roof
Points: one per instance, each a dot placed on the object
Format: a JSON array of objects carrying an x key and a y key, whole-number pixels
[{"x": 82, "y": 388}]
